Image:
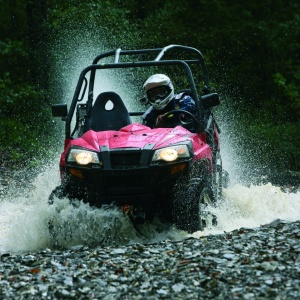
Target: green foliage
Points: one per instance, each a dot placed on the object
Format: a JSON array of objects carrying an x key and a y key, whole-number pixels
[
  {"x": 102, "y": 19},
  {"x": 13, "y": 61},
  {"x": 289, "y": 91},
  {"x": 27, "y": 127},
  {"x": 273, "y": 146},
  {"x": 13, "y": 19}
]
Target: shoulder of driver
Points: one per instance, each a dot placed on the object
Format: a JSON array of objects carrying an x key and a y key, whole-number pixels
[{"x": 183, "y": 98}]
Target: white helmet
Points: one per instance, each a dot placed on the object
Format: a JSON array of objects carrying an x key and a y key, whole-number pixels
[{"x": 159, "y": 90}]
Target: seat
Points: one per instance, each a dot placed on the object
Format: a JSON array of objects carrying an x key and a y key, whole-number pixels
[{"x": 107, "y": 113}]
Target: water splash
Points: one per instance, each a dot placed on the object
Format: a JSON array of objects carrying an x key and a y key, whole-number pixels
[
  {"x": 24, "y": 220},
  {"x": 253, "y": 206}
]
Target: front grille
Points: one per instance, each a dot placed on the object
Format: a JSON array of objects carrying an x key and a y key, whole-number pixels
[
  {"x": 125, "y": 159},
  {"x": 130, "y": 184}
]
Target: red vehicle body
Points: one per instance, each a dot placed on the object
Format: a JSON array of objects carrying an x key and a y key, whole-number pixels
[{"x": 170, "y": 172}]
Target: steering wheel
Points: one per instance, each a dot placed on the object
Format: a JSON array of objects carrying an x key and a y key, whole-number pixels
[{"x": 180, "y": 117}]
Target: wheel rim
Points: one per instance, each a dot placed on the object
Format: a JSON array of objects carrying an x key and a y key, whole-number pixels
[
  {"x": 218, "y": 183},
  {"x": 206, "y": 202}
]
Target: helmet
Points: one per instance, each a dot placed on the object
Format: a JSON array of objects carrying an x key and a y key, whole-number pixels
[{"x": 159, "y": 90}]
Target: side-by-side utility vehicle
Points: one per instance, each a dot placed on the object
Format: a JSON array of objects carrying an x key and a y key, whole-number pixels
[{"x": 110, "y": 157}]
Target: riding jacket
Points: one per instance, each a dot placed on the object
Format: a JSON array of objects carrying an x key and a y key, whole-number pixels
[{"x": 180, "y": 101}]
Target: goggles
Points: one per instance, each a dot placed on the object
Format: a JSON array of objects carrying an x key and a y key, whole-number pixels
[{"x": 159, "y": 92}]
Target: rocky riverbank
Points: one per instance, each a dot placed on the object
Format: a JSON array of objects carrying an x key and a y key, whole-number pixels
[{"x": 260, "y": 263}]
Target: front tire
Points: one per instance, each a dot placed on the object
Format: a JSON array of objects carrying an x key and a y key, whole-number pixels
[
  {"x": 67, "y": 191},
  {"x": 59, "y": 192},
  {"x": 191, "y": 208}
]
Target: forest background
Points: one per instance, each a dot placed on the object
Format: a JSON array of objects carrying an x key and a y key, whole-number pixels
[{"x": 252, "y": 49}]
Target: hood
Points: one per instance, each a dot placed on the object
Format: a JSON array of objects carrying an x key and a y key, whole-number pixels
[{"x": 133, "y": 136}]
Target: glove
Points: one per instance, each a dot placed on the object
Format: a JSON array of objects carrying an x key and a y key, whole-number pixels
[{"x": 160, "y": 120}]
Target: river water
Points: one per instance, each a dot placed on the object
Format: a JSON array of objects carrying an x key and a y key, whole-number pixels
[{"x": 25, "y": 215}]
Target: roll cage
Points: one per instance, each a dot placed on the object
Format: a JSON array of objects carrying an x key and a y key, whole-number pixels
[{"x": 158, "y": 54}]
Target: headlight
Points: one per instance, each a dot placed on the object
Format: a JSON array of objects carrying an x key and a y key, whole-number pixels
[
  {"x": 83, "y": 157},
  {"x": 171, "y": 153}
]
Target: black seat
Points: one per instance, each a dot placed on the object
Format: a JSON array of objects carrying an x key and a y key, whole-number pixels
[{"x": 107, "y": 113}]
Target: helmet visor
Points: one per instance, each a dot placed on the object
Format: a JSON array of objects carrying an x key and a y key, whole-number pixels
[{"x": 159, "y": 92}]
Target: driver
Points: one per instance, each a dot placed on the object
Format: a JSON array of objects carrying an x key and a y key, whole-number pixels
[{"x": 160, "y": 93}]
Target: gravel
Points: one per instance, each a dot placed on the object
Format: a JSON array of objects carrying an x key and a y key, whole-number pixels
[{"x": 259, "y": 263}]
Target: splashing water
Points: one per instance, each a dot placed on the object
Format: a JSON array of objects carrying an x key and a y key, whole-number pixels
[
  {"x": 24, "y": 220},
  {"x": 253, "y": 206}
]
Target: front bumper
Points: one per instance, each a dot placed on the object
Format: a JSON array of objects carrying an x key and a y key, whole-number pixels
[
  {"x": 109, "y": 185},
  {"x": 126, "y": 175}
]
